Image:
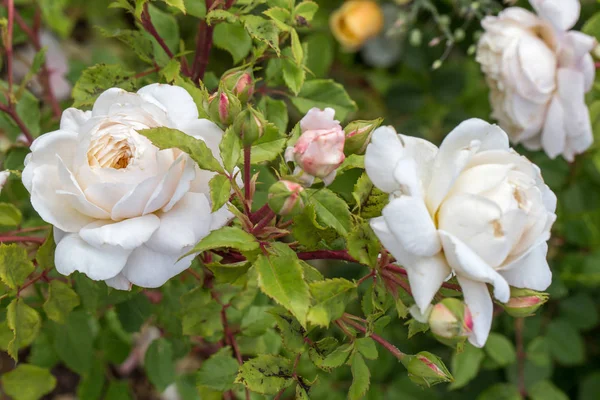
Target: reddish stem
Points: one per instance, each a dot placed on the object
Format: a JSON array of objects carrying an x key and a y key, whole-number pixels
[
  {"x": 260, "y": 213},
  {"x": 387, "y": 345},
  {"x": 145, "y": 73},
  {"x": 326, "y": 255},
  {"x": 11, "y": 112},
  {"x": 247, "y": 177},
  {"x": 15, "y": 239},
  {"x": 31, "y": 282},
  {"x": 264, "y": 222},
  {"x": 519, "y": 325}
]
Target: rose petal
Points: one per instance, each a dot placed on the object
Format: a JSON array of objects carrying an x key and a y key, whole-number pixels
[
  {"x": 118, "y": 282},
  {"x": 477, "y": 298},
  {"x": 150, "y": 269},
  {"x": 316, "y": 119},
  {"x": 457, "y": 149},
  {"x": 563, "y": 14},
  {"x": 98, "y": 263},
  {"x": 466, "y": 263},
  {"x": 175, "y": 100},
  {"x": 531, "y": 271},
  {"x": 554, "y": 135},
  {"x": 114, "y": 97},
  {"x": 381, "y": 158},
  {"x": 72, "y": 119},
  {"x": 408, "y": 219},
  {"x": 128, "y": 234}
]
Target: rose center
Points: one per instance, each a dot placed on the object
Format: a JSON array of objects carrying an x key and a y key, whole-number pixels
[{"x": 110, "y": 152}]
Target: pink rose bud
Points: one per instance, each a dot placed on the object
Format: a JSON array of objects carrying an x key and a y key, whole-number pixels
[
  {"x": 285, "y": 198},
  {"x": 358, "y": 135},
  {"x": 240, "y": 83},
  {"x": 451, "y": 319},
  {"x": 223, "y": 107},
  {"x": 320, "y": 149},
  {"x": 426, "y": 369},
  {"x": 524, "y": 302}
]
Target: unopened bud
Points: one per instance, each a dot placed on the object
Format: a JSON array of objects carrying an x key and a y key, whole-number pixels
[
  {"x": 524, "y": 302},
  {"x": 240, "y": 83},
  {"x": 223, "y": 107},
  {"x": 426, "y": 369},
  {"x": 459, "y": 35},
  {"x": 436, "y": 64},
  {"x": 415, "y": 37},
  {"x": 285, "y": 198},
  {"x": 249, "y": 125},
  {"x": 358, "y": 135},
  {"x": 435, "y": 41},
  {"x": 450, "y": 319}
]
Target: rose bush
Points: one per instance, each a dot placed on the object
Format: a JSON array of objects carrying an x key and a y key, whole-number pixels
[
  {"x": 474, "y": 208},
  {"x": 538, "y": 73},
  {"x": 124, "y": 211}
]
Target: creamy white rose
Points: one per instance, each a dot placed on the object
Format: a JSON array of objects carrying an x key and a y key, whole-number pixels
[
  {"x": 473, "y": 207},
  {"x": 538, "y": 73},
  {"x": 123, "y": 210}
]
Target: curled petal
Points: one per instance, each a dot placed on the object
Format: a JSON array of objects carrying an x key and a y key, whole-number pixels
[
  {"x": 382, "y": 155},
  {"x": 563, "y": 14},
  {"x": 174, "y": 100},
  {"x": 316, "y": 119},
  {"x": 73, "y": 119},
  {"x": 128, "y": 234},
  {"x": 478, "y": 299},
  {"x": 530, "y": 271},
  {"x": 148, "y": 268}
]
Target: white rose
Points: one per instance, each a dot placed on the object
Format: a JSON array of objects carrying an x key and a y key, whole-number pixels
[
  {"x": 473, "y": 207},
  {"x": 123, "y": 210},
  {"x": 538, "y": 72}
]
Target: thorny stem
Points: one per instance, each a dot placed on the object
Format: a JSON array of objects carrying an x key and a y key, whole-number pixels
[
  {"x": 519, "y": 325},
  {"x": 260, "y": 213},
  {"x": 264, "y": 222},
  {"x": 371, "y": 274},
  {"x": 387, "y": 345},
  {"x": 404, "y": 285}
]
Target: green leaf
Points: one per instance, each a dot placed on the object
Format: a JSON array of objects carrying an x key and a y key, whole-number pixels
[
  {"x": 91, "y": 385},
  {"x": 220, "y": 15},
  {"x": 361, "y": 378},
  {"x": 206, "y": 323},
  {"x": 45, "y": 253},
  {"x": 280, "y": 276},
  {"x": 545, "y": 390},
  {"x": 220, "y": 190},
  {"x": 274, "y": 111},
  {"x": 363, "y": 245},
  {"x": 280, "y": 16},
  {"x": 10, "y": 215},
  {"x": 415, "y": 327},
  {"x": 180, "y": 4},
  {"x": 233, "y": 38},
  {"x": 28, "y": 382},
  {"x": 195, "y": 8},
  {"x": 269, "y": 146},
  {"x": 228, "y": 237},
  {"x": 565, "y": 343},
  {"x": 501, "y": 391},
  {"x": 118, "y": 390},
  {"x": 266, "y": 374},
  {"x": 292, "y": 333},
  {"x": 263, "y": 30},
  {"x": 168, "y": 138},
  {"x": 134, "y": 312},
  {"x": 580, "y": 310},
  {"x": 257, "y": 320},
  {"x": 331, "y": 210},
  {"x": 293, "y": 75},
  {"x": 331, "y": 297},
  {"x": 322, "y": 93},
  {"x": 590, "y": 386},
  {"x": 592, "y": 26},
  {"x": 231, "y": 148},
  {"x": 55, "y": 17},
  {"x": 297, "y": 50},
  {"x": 465, "y": 365},
  {"x": 25, "y": 323},
  {"x": 42, "y": 352},
  {"x": 366, "y": 346},
  {"x": 320, "y": 52},
  {"x": 15, "y": 267},
  {"x": 96, "y": 79},
  {"x": 219, "y": 371},
  {"x": 159, "y": 364},
  {"x": 306, "y": 10},
  {"x": 538, "y": 352},
  {"x": 337, "y": 357},
  {"x": 500, "y": 349},
  {"x": 134, "y": 40},
  {"x": 61, "y": 301},
  {"x": 74, "y": 342}
]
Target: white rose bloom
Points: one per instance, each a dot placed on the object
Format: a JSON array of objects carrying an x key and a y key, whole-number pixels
[
  {"x": 538, "y": 73},
  {"x": 473, "y": 207},
  {"x": 123, "y": 210}
]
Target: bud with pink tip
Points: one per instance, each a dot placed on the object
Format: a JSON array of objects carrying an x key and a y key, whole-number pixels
[
  {"x": 285, "y": 198},
  {"x": 358, "y": 135},
  {"x": 426, "y": 369},
  {"x": 223, "y": 107},
  {"x": 320, "y": 149},
  {"x": 240, "y": 83},
  {"x": 524, "y": 302},
  {"x": 451, "y": 321}
]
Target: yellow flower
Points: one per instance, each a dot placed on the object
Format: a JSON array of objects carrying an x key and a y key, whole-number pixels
[{"x": 355, "y": 22}]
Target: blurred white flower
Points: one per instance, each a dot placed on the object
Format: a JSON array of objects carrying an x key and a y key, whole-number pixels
[
  {"x": 123, "y": 210},
  {"x": 56, "y": 62},
  {"x": 473, "y": 207},
  {"x": 538, "y": 72},
  {"x": 3, "y": 178}
]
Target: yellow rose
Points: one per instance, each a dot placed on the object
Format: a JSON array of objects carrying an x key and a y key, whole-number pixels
[{"x": 355, "y": 22}]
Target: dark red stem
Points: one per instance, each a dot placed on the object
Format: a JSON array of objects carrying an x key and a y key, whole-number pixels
[
  {"x": 15, "y": 117},
  {"x": 326, "y": 255},
  {"x": 387, "y": 345},
  {"x": 264, "y": 222},
  {"x": 32, "y": 239}
]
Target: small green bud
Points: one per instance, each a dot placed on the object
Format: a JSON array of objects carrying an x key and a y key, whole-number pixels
[
  {"x": 444, "y": 20},
  {"x": 358, "y": 135},
  {"x": 223, "y": 106},
  {"x": 426, "y": 369},
  {"x": 415, "y": 37},
  {"x": 249, "y": 125},
  {"x": 285, "y": 198},
  {"x": 524, "y": 302},
  {"x": 459, "y": 35},
  {"x": 436, "y": 64},
  {"x": 240, "y": 83}
]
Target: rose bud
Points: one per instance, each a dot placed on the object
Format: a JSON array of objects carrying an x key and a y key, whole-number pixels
[
  {"x": 320, "y": 149},
  {"x": 356, "y": 22},
  {"x": 450, "y": 319},
  {"x": 426, "y": 369},
  {"x": 358, "y": 135},
  {"x": 223, "y": 107},
  {"x": 249, "y": 125},
  {"x": 285, "y": 198},
  {"x": 524, "y": 302},
  {"x": 240, "y": 83}
]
